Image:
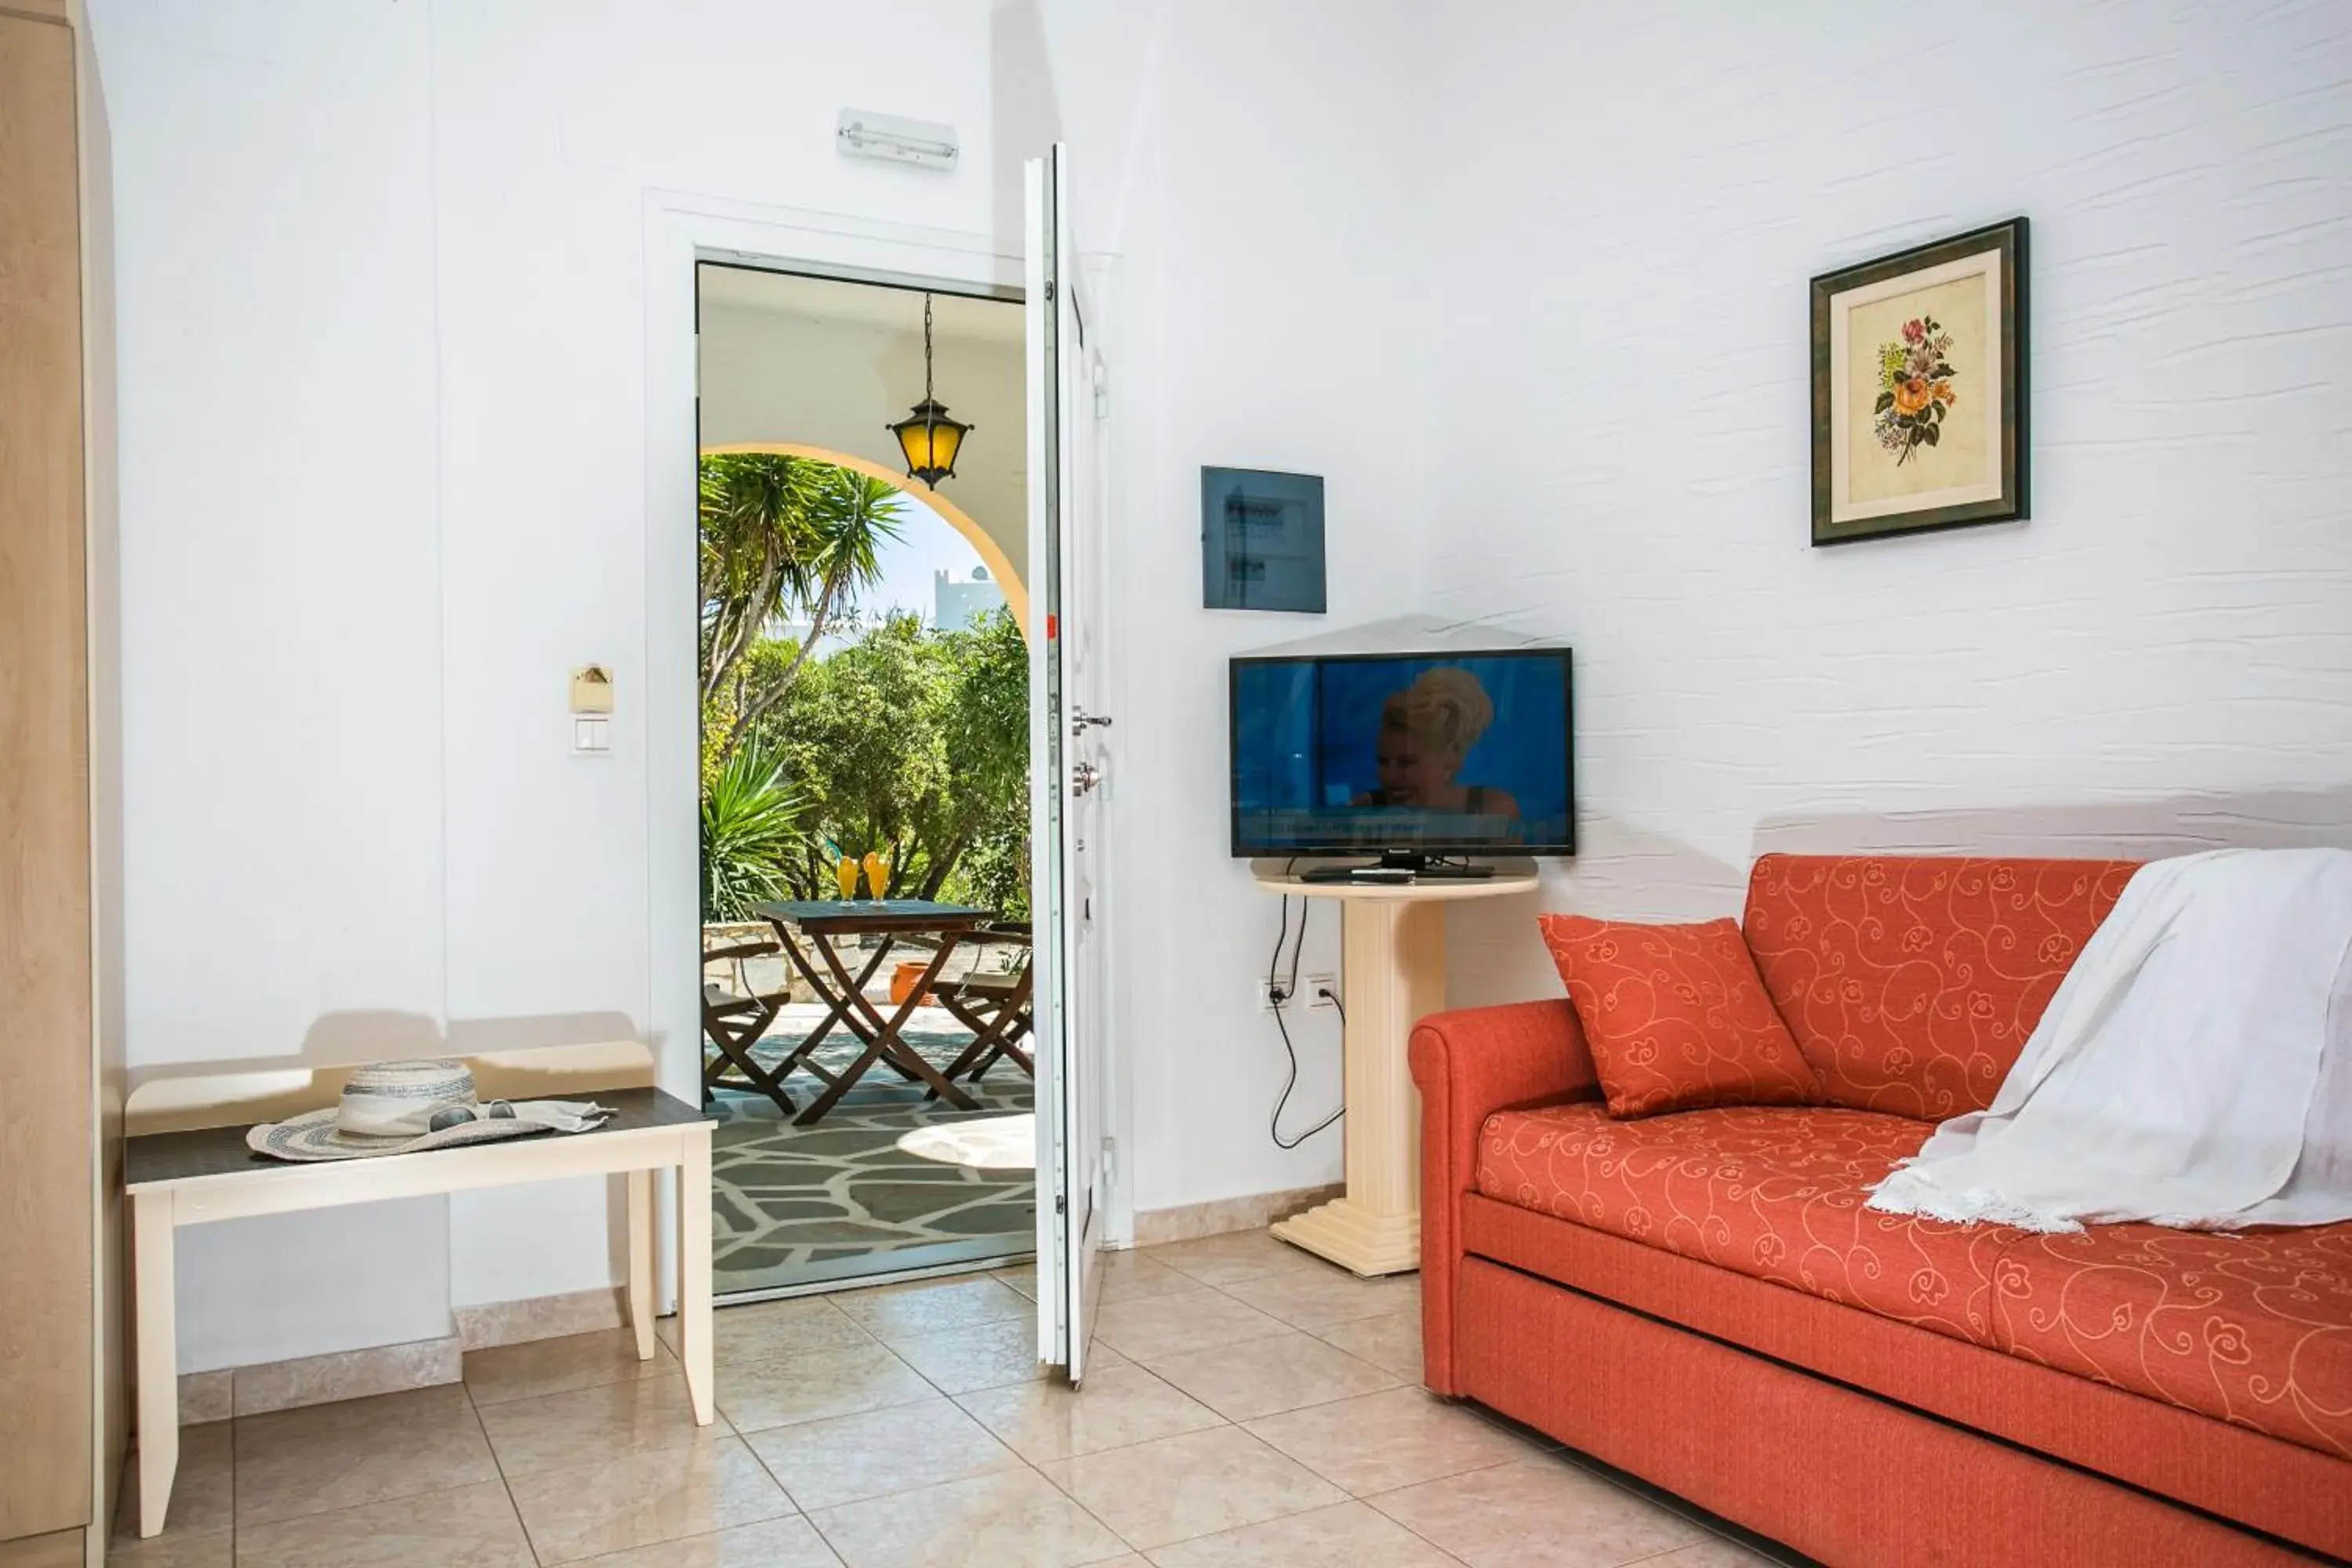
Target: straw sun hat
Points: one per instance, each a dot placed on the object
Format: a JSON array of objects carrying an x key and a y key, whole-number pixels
[{"x": 404, "y": 1108}]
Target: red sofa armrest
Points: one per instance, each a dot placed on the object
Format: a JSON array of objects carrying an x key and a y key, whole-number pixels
[{"x": 1470, "y": 1064}]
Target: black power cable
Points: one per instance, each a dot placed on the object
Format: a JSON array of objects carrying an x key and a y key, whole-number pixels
[{"x": 1282, "y": 993}]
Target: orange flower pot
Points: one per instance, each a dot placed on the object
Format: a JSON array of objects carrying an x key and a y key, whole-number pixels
[{"x": 904, "y": 978}]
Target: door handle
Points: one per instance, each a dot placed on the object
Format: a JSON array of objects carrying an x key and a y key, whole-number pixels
[
  {"x": 1081, "y": 721},
  {"x": 1084, "y": 777}
]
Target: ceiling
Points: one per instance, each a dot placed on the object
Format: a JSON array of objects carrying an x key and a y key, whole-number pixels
[{"x": 954, "y": 316}]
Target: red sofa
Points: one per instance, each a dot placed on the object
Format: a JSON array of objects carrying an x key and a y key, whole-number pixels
[{"x": 1700, "y": 1298}]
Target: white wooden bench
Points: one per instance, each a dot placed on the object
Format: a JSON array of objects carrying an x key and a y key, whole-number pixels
[{"x": 186, "y": 1163}]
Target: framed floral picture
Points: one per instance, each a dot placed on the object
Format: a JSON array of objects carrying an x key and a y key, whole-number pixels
[{"x": 1919, "y": 388}]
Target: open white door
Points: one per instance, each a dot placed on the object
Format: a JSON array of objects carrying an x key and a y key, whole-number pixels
[{"x": 1070, "y": 773}]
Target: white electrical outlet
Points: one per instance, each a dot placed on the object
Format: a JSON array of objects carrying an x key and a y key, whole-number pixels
[
  {"x": 1320, "y": 989},
  {"x": 1265, "y": 991}
]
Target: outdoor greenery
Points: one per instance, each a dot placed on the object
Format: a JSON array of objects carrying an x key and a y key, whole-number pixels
[
  {"x": 781, "y": 535},
  {"x": 908, "y": 741},
  {"x": 750, "y": 829},
  {"x": 915, "y": 743}
]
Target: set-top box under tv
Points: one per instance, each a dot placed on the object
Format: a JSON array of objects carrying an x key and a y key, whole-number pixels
[{"x": 1403, "y": 755}]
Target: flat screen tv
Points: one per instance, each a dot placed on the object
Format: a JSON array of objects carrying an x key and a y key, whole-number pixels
[{"x": 1407, "y": 757}]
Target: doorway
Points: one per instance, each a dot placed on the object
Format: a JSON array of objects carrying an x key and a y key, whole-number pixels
[{"x": 863, "y": 704}]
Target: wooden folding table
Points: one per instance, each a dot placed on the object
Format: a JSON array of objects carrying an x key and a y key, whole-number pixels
[{"x": 822, "y": 921}]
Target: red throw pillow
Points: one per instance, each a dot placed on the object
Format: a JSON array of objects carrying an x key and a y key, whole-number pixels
[{"x": 1676, "y": 1015}]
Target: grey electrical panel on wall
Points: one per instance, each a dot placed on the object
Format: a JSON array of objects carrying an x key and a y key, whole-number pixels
[{"x": 1261, "y": 540}]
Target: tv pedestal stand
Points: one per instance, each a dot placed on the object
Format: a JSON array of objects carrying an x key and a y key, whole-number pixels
[{"x": 1392, "y": 951}]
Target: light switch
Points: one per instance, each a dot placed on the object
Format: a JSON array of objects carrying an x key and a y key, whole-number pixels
[{"x": 592, "y": 737}]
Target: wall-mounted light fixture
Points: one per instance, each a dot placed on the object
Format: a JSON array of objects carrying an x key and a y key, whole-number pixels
[
  {"x": 862, "y": 133},
  {"x": 928, "y": 436}
]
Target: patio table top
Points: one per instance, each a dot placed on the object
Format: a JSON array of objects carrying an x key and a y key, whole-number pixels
[{"x": 850, "y": 916}]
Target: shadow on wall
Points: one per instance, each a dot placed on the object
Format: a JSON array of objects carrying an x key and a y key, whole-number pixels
[
  {"x": 1496, "y": 955},
  {"x": 1493, "y": 951},
  {"x": 255, "y": 1088},
  {"x": 1023, "y": 118},
  {"x": 2119, "y": 829}
]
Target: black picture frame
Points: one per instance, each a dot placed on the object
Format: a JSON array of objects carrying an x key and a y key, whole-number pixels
[{"x": 2013, "y": 503}]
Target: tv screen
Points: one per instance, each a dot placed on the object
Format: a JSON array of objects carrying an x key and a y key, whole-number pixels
[{"x": 1439, "y": 755}]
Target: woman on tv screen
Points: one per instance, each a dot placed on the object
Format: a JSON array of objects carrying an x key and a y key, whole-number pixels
[{"x": 1426, "y": 730}]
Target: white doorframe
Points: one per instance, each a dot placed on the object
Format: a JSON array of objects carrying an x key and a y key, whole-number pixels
[{"x": 681, "y": 228}]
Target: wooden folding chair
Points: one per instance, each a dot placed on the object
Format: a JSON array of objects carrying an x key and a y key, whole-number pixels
[
  {"x": 736, "y": 1022},
  {"x": 994, "y": 1004}
]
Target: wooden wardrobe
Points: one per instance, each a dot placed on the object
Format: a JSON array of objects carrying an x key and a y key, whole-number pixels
[{"x": 61, "y": 1409}]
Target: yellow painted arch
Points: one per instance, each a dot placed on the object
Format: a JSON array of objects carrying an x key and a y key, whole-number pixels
[{"x": 1000, "y": 566}]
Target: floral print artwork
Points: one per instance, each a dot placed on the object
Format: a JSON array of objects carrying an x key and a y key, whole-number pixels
[{"x": 1914, "y": 388}]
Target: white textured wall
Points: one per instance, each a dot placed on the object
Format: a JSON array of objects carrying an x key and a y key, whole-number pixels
[
  {"x": 1525, "y": 283},
  {"x": 1256, "y": 170},
  {"x": 1632, "y": 201},
  {"x": 282, "y": 603},
  {"x": 383, "y": 355}
]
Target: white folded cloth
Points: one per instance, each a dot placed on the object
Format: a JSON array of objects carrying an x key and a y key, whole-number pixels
[{"x": 2193, "y": 1070}]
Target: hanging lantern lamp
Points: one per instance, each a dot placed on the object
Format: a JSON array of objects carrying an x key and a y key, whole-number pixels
[{"x": 928, "y": 436}]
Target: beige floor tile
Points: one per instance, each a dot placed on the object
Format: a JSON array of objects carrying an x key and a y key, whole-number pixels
[
  {"x": 1349, "y": 1535},
  {"x": 1537, "y": 1440},
  {"x": 989, "y": 1356},
  {"x": 1171, "y": 1325},
  {"x": 467, "y": 1527},
  {"x": 1017, "y": 1520},
  {"x": 1022, "y": 1279},
  {"x": 203, "y": 1494},
  {"x": 216, "y": 1550},
  {"x": 1713, "y": 1553},
  {"x": 329, "y": 1457},
  {"x": 1383, "y": 1441},
  {"x": 1265, "y": 1377},
  {"x": 765, "y": 1330},
  {"x": 1391, "y": 1341},
  {"x": 558, "y": 1431},
  {"x": 817, "y": 1383},
  {"x": 771, "y": 1543},
  {"x": 1537, "y": 1513},
  {"x": 920, "y": 1307},
  {"x": 1220, "y": 1261},
  {"x": 1174, "y": 1488},
  {"x": 640, "y": 1499},
  {"x": 847, "y": 1458},
  {"x": 1326, "y": 1296},
  {"x": 1138, "y": 1277},
  {"x": 1118, "y": 1406},
  {"x": 559, "y": 1365}
]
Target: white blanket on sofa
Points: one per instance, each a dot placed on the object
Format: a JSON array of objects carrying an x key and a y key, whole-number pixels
[{"x": 2194, "y": 1067}]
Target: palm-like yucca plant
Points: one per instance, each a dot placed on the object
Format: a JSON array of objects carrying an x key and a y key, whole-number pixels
[
  {"x": 755, "y": 548},
  {"x": 837, "y": 552},
  {"x": 751, "y": 823},
  {"x": 848, "y": 522},
  {"x": 779, "y": 533}
]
